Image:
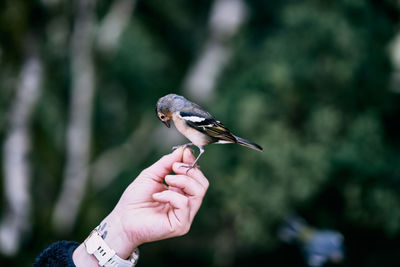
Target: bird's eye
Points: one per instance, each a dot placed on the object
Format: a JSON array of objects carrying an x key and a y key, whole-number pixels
[{"x": 162, "y": 117}]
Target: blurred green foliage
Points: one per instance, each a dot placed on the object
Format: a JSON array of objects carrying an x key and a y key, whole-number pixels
[{"x": 308, "y": 81}]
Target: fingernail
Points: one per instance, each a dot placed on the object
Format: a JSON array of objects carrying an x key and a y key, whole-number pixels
[
  {"x": 169, "y": 177},
  {"x": 157, "y": 194},
  {"x": 178, "y": 164},
  {"x": 191, "y": 151}
]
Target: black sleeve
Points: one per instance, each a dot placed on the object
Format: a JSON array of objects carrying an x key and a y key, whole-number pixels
[{"x": 58, "y": 254}]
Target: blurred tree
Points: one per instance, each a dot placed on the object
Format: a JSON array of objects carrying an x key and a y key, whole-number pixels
[
  {"x": 17, "y": 167},
  {"x": 78, "y": 132},
  {"x": 311, "y": 81}
]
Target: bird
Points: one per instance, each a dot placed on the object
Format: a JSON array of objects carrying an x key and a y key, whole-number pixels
[
  {"x": 196, "y": 124},
  {"x": 318, "y": 246}
]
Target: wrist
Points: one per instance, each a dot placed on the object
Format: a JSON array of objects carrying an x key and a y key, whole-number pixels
[
  {"x": 112, "y": 232},
  {"x": 115, "y": 236},
  {"x": 106, "y": 256}
]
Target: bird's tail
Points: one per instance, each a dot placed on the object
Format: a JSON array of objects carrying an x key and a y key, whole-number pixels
[{"x": 247, "y": 143}]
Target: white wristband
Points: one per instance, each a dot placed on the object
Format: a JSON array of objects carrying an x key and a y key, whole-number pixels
[{"x": 96, "y": 246}]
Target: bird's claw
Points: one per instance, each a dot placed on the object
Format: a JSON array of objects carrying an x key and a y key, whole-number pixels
[
  {"x": 179, "y": 146},
  {"x": 189, "y": 166},
  {"x": 176, "y": 147}
]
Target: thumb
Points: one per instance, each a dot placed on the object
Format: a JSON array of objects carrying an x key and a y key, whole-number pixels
[{"x": 163, "y": 166}]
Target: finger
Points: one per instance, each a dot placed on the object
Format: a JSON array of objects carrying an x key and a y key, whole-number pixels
[
  {"x": 187, "y": 185},
  {"x": 175, "y": 189},
  {"x": 188, "y": 156},
  {"x": 164, "y": 165},
  {"x": 190, "y": 187},
  {"x": 195, "y": 173},
  {"x": 179, "y": 203}
]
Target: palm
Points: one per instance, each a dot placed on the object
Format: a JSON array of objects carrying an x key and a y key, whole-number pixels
[{"x": 153, "y": 215}]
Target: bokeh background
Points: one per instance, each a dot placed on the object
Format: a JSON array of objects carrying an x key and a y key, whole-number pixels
[{"x": 316, "y": 83}]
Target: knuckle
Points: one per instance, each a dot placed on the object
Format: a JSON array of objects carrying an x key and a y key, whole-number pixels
[
  {"x": 206, "y": 183},
  {"x": 163, "y": 158},
  {"x": 185, "y": 229}
]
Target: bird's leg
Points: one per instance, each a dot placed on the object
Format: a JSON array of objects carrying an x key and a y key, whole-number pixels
[
  {"x": 191, "y": 166},
  {"x": 185, "y": 145},
  {"x": 194, "y": 163}
]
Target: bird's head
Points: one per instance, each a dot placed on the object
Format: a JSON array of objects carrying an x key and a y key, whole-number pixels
[{"x": 165, "y": 107}]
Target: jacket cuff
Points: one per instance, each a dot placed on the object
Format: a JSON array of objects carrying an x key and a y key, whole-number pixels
[{"x": 57, "y": 254}]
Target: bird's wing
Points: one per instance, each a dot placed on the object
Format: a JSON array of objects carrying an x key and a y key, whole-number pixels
[{"x": 208, "y": 125}]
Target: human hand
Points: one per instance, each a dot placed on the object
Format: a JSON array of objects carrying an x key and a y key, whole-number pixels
[{"x": 149, "y": 210}]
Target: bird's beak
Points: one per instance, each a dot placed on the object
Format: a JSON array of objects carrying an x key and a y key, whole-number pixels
[{"x": 167, "y": 123}]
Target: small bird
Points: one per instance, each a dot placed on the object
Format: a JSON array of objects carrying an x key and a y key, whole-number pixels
[
  {"x": 196, "y": 124},
  {"x": 318, "y": 246}
]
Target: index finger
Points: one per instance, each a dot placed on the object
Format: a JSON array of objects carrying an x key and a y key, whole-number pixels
[{"x": 163, "y": 166}]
